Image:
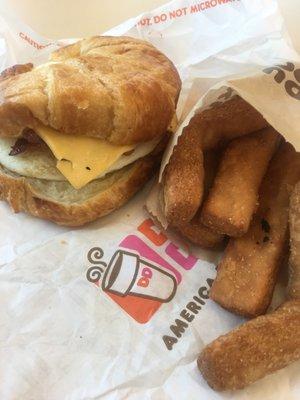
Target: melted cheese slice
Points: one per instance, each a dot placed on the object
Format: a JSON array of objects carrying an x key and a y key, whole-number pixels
[{"x": 81, "y": 159}]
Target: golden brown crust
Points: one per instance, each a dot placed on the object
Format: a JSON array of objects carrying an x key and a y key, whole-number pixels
[
  {"x": 183, "y": 183},
  {"x": 233, "y": 198},
  {"x": 116, "y": 88},
  {"x": 199, "y": 234},
  {"x": 227, "y": 121},
  {"x": 253, "y": 350},
  {"x": 194, "y": 230},
  {"x": 294, "y": 265},
  {"x": 184, "y": 175},
  {"x": 23, "y": 195},
  {"x": 248, "y": 271}
]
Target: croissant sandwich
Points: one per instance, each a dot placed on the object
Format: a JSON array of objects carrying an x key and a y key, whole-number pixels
[{"x": 80, "y": 134}]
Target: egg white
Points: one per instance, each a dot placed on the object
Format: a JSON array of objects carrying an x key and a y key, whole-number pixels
[{"x": 40, "y": 163}]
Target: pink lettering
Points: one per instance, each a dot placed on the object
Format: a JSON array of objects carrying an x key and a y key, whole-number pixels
[
  {"x": 134, "y": 243},
  {"x": 186, "y": 262},
  {"x": 147, "y": 273}
]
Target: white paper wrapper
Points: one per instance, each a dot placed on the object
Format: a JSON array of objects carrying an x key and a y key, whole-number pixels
[{"x": 127, "y": 337}]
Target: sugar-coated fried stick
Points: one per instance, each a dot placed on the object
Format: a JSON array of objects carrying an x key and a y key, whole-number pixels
[
  {"x": 228, "y": 121},
  {"x": 253, "y": 350},
  {"x": 294, "y": 267},
  {"x": 211, "y": 162},
  {"x": 183, "y": 184},
  {"x": 183, "y": 178},
  {"x": 194, "y": 230},
  {"x": 247, "y": 273},
  {"x": 233, "y": 198},
  {"x": 199, "y": 234}
]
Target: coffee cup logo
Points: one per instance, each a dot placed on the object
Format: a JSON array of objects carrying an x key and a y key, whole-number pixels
[{"x": 127, "y": 274}]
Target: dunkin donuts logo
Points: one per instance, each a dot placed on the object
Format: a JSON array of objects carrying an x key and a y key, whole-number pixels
[
  {"x": 143, "y": 273},
  {"x": 288, "y": 76}
]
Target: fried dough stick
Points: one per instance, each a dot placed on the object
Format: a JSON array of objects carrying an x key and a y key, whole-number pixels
[
  {"x": 194, "y": 230},
  {"x": 247, "y": 273},
  {"x": 184, "y": 175},
  {"x": 184, "y": 178},
  {"x": 233, "y": 198},
  {"x": 253, "y": 350},
  {"x": 294, "y": 267},
  {"x": 199, "y": 234}
]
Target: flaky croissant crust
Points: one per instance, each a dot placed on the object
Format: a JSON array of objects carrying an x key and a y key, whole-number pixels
[{"x": 115, "y": 88}]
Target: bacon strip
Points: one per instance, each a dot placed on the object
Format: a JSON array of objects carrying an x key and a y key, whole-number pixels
[
  {"x": 22, "y": 144},
  {"x": 19, "y": 147},
  {"x": 31, "y": 136},
  {"x": 15, "y": 70}
]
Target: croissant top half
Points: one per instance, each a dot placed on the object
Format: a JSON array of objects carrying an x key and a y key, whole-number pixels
[{"x": 116, "y": 88}]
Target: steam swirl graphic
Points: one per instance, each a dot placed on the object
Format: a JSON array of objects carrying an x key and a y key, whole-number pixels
[
  {"x": 94, "y": 256},
  {"x": 93, "y": 274}
]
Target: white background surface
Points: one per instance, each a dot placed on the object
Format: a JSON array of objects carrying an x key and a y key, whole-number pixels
[
  {"x": 76, "y": 18},
  {"x": 61, "y": 337}
]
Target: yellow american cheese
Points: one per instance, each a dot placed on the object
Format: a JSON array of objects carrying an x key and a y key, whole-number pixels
[{"x": 81, "y": 159}]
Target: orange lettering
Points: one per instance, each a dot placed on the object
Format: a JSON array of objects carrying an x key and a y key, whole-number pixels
[
  {"x": 32, "y": 42},
  {"x": 147, "y": 229},
  {"x": 172, "y": 14},
  {"x": 143, "y": 282},
  {"x": 194, "y": 8}
]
